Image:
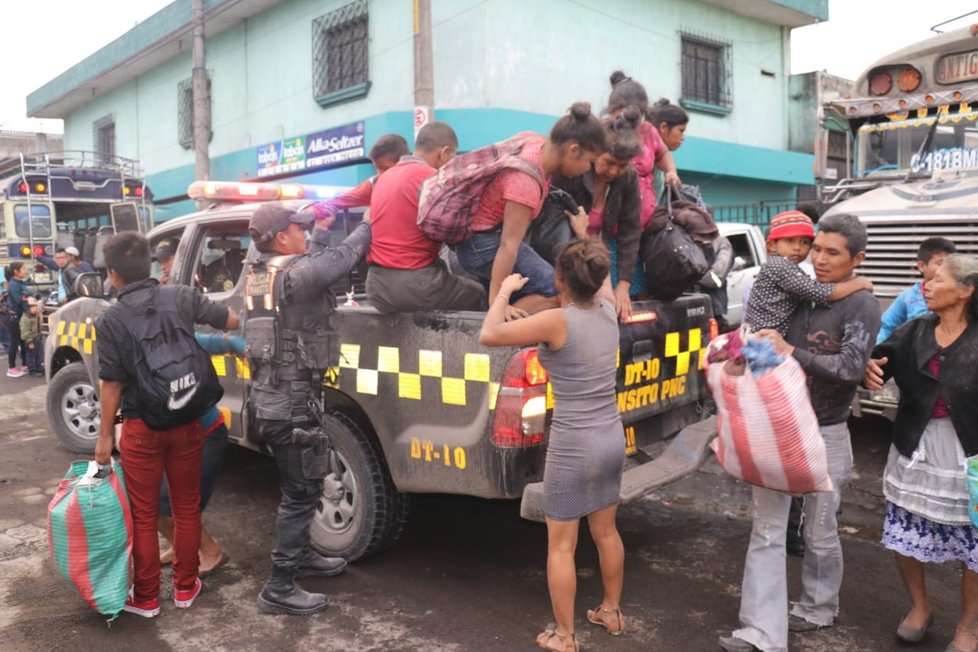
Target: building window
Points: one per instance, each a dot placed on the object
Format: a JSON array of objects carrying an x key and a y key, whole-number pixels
[
  {"x": 185, "y": 111},
  {"x": 103, "y": 135},
  {"x": 706, "y": 73},
  {"x": 340, "y": 69}
]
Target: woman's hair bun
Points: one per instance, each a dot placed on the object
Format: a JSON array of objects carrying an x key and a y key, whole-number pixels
[
  {"x": 581, "y": 110},
  {"x": 617, "y": 77},
  {"x": 630, "y": 116}
]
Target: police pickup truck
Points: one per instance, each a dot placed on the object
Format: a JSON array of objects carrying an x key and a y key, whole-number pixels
[{"x": 418, "y": 405}]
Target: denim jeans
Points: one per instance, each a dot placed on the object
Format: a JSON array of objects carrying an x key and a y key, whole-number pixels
[
  {"x": 35, "y": 356},
  {"x": 764, "y": 593},
  {"x": 478, "y": 253}
]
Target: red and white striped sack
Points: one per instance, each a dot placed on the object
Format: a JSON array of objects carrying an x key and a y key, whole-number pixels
[{"x": 767, "y": 432}]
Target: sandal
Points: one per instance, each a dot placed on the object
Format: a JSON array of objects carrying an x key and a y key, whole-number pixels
[
  {"x": 611, "y": 620},
  {"x": 549, "y": 639}
]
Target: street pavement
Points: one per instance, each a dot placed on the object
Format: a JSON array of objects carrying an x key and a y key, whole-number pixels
[{"x": 468, "y": 574}]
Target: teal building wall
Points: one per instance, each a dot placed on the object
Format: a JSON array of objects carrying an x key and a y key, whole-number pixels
[{"x": 501, "y": 66}]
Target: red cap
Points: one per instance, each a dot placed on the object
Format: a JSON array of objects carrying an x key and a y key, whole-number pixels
[{"x": 790, "y": 224}]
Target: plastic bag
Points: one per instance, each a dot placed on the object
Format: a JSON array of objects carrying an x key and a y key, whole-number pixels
[
  {"x": 90, "y": 535},
  {"x": 972, "y": 469},
  {"x": 767, "y": 432}
]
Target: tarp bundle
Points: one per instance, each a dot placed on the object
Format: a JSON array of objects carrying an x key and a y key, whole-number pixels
[
  {"x": 767, "y": 432},
  {"x": 90, "y": 535}
]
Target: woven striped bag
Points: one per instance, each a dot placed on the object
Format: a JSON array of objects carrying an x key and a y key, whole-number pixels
[
  {"x": 90, "y": 535},
  {"x": 767, "y": 432}
]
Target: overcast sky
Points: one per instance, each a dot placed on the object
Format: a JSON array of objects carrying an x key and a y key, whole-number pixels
[{"x": 43, "y": 38}]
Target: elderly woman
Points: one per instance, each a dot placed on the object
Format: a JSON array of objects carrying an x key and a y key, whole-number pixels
[{"x": 933, "y": 359}]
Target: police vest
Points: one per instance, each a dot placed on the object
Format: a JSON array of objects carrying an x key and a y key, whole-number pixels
[{"x": 290, "y": 337}]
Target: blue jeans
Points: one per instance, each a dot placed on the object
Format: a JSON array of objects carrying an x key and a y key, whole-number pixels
[
  {"x": 477, "y": 254},
  {"x": 34, "y": 358}
]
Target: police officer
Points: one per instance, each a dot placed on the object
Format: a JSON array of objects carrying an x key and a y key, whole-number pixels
[{"x": 288, "y": 305}]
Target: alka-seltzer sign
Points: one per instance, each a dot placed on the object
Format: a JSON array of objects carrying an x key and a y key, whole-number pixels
[{"x": 319, "y": 150}]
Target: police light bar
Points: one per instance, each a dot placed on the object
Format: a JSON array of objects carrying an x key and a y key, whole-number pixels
[{"x": 245, "y": 191}]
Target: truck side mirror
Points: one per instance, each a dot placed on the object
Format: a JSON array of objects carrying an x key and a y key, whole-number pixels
[{"x": 89, "y": 284}]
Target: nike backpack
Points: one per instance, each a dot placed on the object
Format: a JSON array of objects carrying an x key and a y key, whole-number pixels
[
  {"x": 175, "y": 379},
  {"x": 449, "y": 199}
]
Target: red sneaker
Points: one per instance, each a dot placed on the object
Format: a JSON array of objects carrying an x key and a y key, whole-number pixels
[
  {"x": 183, "y": 598},
  {"x": 144, "y": 608}
]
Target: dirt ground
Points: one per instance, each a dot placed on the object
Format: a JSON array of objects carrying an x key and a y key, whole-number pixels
[{"x": 467, "y": 575}]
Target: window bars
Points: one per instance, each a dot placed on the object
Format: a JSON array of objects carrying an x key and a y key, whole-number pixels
[
  {"x": 706, "y": 70},
  {"x": 103, "y": 137},
  {"x": 339, "y": 49}
]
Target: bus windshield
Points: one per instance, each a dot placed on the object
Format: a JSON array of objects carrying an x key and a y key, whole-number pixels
[
  {"x": 892, "y": 147},
  {"x": 40, "y": 226}
]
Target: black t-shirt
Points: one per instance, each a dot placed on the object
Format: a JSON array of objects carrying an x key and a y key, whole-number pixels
[{"x": 116, "y": 347}]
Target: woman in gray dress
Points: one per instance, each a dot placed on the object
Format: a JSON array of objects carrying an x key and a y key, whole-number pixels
[{"x": 578, "y": 345}]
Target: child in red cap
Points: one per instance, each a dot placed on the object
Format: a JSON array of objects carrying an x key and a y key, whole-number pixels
[{"x": 781, "y": 285}]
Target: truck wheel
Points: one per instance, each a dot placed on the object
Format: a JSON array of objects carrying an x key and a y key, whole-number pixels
[
  {"x": 73, "y": 408},
  {"x": 360, "y": 512}
]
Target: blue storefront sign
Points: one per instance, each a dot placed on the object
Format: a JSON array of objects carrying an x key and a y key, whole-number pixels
[{"x": 312, "y": 152}]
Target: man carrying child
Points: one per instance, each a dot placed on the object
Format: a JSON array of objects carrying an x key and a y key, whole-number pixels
[{"x": 831, "y": 342}]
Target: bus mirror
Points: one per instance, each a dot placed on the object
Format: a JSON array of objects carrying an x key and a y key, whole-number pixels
[{"x": 89, "y": 284}]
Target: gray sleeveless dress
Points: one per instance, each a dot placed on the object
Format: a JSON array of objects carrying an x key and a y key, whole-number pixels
[{"x": 586, "y": 452}]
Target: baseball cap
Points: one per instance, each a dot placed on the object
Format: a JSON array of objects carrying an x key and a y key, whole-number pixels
[
  {"x": 269, "y": 219},
  {"x": 165, "y": 249},
  {"x": 72, "y": 251},
  {"x": 790, "y": 224}
]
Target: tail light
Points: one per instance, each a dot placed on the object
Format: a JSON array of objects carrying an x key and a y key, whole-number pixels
[
  {"x": 521, "y": 406},
  {"x": 714, "y": 329},
  {"x": 880, "y": 83},
  {"x": 909, "y": 79}
]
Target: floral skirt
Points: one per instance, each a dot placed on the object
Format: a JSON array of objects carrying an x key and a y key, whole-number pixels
[
  {"x": 639, "y": 283},
  {"x": 914, "y": 536}
]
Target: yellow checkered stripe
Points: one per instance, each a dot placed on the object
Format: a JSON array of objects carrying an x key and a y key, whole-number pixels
[
  {"x": 77, "y": 335},
  {"x": 231, "y": 366},
  {"x": 411, "y": 384},
  {"x": 682, "y": 349}
]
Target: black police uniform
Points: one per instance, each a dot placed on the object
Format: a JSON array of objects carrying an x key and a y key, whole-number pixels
[{"x": 290, "y": 344}]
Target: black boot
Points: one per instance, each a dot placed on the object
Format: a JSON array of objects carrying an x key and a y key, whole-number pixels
[
  {"x": 312, "y": 564},
  {"x": 281, "y": 595}
]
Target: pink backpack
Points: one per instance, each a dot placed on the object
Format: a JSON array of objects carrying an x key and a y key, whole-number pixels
[{"x": 449, "y": 199}]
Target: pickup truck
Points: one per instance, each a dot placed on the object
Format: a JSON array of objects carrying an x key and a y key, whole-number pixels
[{"x": 416, "y": 404}]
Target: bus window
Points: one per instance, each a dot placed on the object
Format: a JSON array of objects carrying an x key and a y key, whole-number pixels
[
  {"x": 124, "y": 216},
  {"x": 41, "y": 222},
  {"x": 893, "y": 146}
]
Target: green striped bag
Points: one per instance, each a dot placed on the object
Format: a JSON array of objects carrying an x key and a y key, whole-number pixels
[{"x": 90, "y": 535}]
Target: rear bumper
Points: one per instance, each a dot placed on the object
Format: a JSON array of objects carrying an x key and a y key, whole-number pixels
[{"x": 684, "y": 454}]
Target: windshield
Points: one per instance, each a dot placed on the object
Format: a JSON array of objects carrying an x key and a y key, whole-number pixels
[
  {"x": 41, "y": 221},
  {"x": 891, "y": 147}
]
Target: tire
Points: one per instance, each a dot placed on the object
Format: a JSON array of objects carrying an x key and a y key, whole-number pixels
[
  {"x": 360, "y": 512},
  {"x": 73, "y": 408}
]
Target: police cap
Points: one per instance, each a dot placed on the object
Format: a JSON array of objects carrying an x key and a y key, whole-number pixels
[
  {"x": 165, "y": 249},
  {"x": 269, "y": 219}
]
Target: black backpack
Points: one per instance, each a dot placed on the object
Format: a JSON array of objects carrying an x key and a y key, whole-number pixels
[
  {"x": 551, "y": 230},
  {"x": 175, "y": 380}
]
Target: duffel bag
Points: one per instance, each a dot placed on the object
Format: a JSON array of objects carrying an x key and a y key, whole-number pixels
[
  {"x": 767, "y": 432},
  {"x": 90, "y": 535}
]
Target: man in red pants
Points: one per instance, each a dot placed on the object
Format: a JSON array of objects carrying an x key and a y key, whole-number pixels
[{"x": 141, "y": 338}]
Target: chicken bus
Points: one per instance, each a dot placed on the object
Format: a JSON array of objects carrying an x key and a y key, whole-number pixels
[
  {"x": 67, "y": 199},
  {"x": 912, "y": 129}
]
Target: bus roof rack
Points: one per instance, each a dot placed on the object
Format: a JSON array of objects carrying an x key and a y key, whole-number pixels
[{"x": 43, "y": 162}]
